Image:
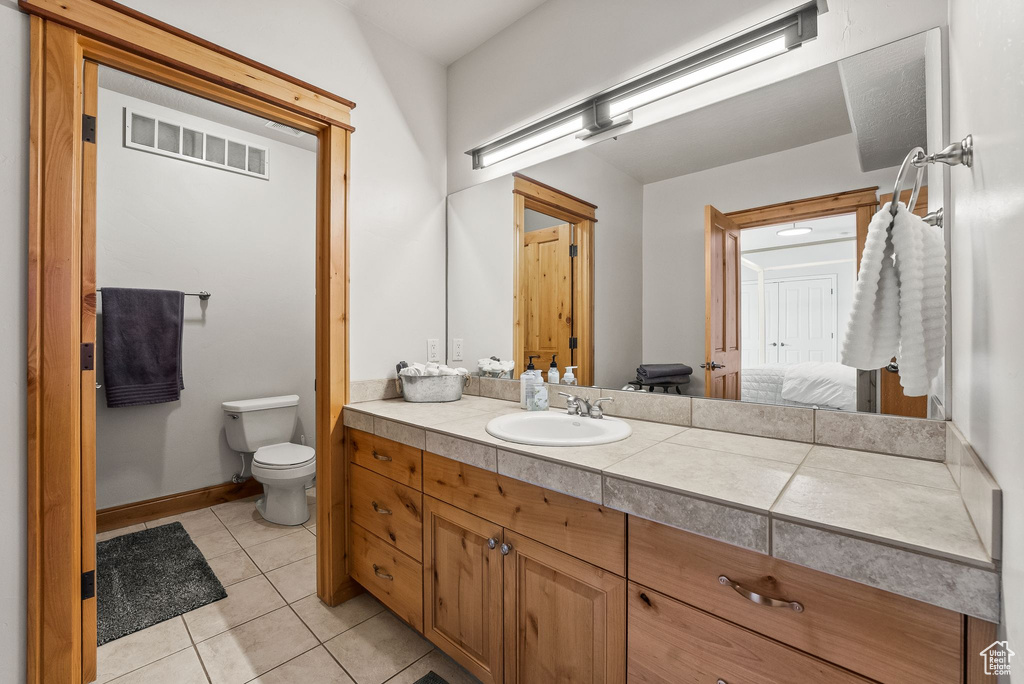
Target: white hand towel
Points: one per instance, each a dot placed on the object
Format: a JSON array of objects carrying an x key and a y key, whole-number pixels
[
  {"x": 921, "y": 265},
  {"x": 899, "y": 305},
  {"x": 873, "y": 331}
]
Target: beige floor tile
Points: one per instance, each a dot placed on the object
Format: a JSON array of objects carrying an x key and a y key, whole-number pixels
[
  {"x": 439, "y": 663},
  {"x": 260, "y": 531},
  {"x": 146, "y": 646},
  {"x": 234, "y": 513},
  {"x": 110, "y": 534},
  {"x": 246, "y": 600},
  {"x": 283, "y": 550},
  {"x": 327, "y": 622},
  {"x": 378, "y": 649},
  {"x": 257, "y": 647},
  {"x": 295, "y": 580},
  {"x": 181, "y": 668},
  {"x": 196, "y": 523},
  {"x": 216, "y": 544},
  {"x": 232, "y": 568},
  {"x": 312, "y": 667}
]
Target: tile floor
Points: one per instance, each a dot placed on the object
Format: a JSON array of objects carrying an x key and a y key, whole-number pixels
[{"x": 271, "y": 628}]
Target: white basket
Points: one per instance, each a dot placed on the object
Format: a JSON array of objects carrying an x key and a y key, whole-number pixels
[{"x": 432, "y": 388}]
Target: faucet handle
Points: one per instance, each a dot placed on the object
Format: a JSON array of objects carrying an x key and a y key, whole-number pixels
[
  {"x": 595, "y": 410},
  {"x": 572, "y": 403}
]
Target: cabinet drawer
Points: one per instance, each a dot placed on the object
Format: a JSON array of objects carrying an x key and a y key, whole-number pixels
[
  {"x": 881, "y": 635},
  {"x": 398, "y": 462},
  {"x": 388, "y": 574},
  {"x": 388, "y": 509},
  {"x": 580, "y": 528},
  {"x": 671, "y": 643}
]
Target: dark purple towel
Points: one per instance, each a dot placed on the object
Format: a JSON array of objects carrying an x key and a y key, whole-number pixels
[{"x": 142, "y": 346}]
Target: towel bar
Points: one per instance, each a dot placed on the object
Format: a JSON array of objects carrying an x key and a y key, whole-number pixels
[
  {"x": 956, "y": 153},
  {"x": 202, "y": 294}
]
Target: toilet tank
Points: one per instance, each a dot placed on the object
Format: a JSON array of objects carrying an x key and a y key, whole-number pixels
[{"x": 254, "y": 423}]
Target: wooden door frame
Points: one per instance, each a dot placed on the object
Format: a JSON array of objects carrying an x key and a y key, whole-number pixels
[
  {"x": 532, "y": 194},
  {"x": 64, "y": 35}
]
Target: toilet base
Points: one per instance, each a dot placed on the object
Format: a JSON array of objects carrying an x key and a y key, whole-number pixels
[{"x": 283, "y": 505}]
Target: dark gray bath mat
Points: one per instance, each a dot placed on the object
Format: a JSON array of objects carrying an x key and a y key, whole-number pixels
[
  {"x": 150, "y": 576},
  {"x": 431, "y": 678}
]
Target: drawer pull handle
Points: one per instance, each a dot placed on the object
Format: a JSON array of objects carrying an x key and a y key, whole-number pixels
[
  {"x": 381, "y": 457},
  {"x": 380, "y": 573},
  {"x": 758, "y": 598},
  {"x": 380, "y": 509}
]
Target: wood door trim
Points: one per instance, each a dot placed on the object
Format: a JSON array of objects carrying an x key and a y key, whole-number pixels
[
  {"x": 528, "y": 193},
  {"x": 118, "y": 25},
  {"x": 805, "y": 209},
  {"x": 63, "y": 35},
  {"x": 158, "y": 507}
]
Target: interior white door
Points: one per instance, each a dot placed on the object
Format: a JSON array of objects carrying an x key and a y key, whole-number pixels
[
  {"x": 807, "y": 320},
  {"x": 771, "y": 322}
]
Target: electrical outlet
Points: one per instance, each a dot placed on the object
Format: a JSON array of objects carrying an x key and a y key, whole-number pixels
[
  {"x": 433, "y": 350},
  {"x": 457, "y": 349}
]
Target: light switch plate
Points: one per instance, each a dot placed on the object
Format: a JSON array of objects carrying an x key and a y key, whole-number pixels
[
  {"x": 457, "y": 349},
  {"x": 433, "y": 350}
]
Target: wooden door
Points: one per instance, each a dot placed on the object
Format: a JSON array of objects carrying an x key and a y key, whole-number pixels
[
  {"x": 565, "y": 620},
  {"x": 891, "y": 399},
  {"x": 462, "y": 588},
  {"x": 546, "y": 282},
  {"x": 722, "y": 330},
  {"x": 88, "y": 384}
]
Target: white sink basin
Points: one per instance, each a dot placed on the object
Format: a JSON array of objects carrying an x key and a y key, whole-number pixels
[{"x": 557, "y": 429}]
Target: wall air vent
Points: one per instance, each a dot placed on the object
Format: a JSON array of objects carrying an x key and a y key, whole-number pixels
[
  {"x": 282, "y": 128},
  {"x": 151, "y": 133}
]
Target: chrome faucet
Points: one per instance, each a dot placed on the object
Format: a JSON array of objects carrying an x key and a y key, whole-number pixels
[{"x": 578, "y": 406}]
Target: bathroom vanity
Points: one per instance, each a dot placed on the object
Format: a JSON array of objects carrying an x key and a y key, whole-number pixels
[{"x": 534, "y": 564}]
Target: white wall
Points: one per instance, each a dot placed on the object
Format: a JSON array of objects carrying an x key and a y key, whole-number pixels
[
  {"x": 987, "y": 219},
  {"x": 396, "y": 208},
  {"x": 599, "y": 43},
  {"x": 397, "y": 191},
  {"x": 13, "y": 297},
  {"x": 169, "y": 224},
  {"x": 673, "y": 234},
  {"x": 480, "y": 263}
]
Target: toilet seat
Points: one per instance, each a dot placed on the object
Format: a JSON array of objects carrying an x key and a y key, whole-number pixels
[{"x": 284, "y": 456}]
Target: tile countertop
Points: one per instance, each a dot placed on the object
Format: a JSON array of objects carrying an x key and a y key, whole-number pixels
[{"x": 892, "y": 522}]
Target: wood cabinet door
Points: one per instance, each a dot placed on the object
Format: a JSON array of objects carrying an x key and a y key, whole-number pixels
[
  {"x": 565, "y": 620},
  {"x": 462, "y": 587}
]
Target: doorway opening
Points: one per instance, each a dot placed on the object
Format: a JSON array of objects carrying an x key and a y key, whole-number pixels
[{"x": 553, "y": 274}]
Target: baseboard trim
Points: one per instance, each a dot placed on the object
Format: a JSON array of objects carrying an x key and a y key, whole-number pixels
[{"x": 173, "y": 504}]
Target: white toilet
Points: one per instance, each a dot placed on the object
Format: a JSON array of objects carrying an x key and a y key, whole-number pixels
[{"x": 262, "y": 427}]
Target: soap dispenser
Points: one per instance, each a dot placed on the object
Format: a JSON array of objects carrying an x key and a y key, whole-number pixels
[
  {"x": 569, "y": 378},
  {"x": 525, "y": 378},
  {"x": 553, "y": 371}
]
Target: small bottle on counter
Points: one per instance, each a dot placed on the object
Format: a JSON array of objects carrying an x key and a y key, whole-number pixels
[{"x": 553, "y": 371}]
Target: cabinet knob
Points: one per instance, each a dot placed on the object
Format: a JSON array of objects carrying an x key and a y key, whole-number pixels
[
  {"x": 505, "y": 549},
  {"x": 492, "y": 542}
]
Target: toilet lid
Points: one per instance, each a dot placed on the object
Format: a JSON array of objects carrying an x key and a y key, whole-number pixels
[{"x": 284, "y": 455}]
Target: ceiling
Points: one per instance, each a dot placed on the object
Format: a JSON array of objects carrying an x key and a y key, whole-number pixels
[
  {"x": 830, "y": 228},
  {"x": 798, "y": 111},
  {"x": 443, "y": 30}
]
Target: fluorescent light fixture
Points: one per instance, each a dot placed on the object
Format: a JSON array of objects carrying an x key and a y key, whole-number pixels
[
  {"x": 613, "y": 108},
  {"x": 794, "y": 231}
]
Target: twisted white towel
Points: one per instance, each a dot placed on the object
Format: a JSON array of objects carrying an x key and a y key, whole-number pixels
[{"x": 899, "y": 304}]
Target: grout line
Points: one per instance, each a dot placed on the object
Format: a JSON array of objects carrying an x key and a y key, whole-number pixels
[
  {"x": 195, "y": 648},
  {"x": 125, "y": 674},
  {"x": 392, "y": 677}
]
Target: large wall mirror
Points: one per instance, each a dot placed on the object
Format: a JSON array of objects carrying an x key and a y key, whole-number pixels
[{"x": 726, "y": 239}]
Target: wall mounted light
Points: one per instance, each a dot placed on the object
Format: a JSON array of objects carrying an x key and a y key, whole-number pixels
[
  {"x": 794, "y": 231},
  {"x": 614, "y": 108}
]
